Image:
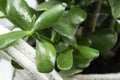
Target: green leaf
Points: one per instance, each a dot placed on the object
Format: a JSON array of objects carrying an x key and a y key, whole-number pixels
[
  {"x": 49, "y": 17},
  {"x": 64, "y": 26},
  {"x": 16, "y": 65},
  {"x": 45, "y": 56},
  {"x": 3, "y": 4},
  {"x": 65, "y": 60},
  {"x": 80, "y": 61},
  {"x": 103, "y": 40},
  {"x": 18, "y": 12},
  {"x": 77, "y": 15},
  {"x": 61, "y": 46},
  {"x": 9, "y": 38},
  {"x": 115, "y": 8},
  {"x": 87, "y": 52},
  {"x": 84, "y": 41},
  {"x": 70, "y": 39},
  {"x": 47, "y": 5}
]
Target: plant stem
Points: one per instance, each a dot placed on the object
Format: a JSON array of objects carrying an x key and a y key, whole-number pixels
[{"x": 92, "y": 18}]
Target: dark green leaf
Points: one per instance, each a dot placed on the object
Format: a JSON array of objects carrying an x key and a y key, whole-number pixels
[
  {"x": 86, "y": 2},
  {"x": 64, "y": 26},
  {"x": 46, "y": 5},
  {"x": 103, "y": 40},
  {"x": 80, "y": 61},
  {"x": 77, "y": 15},
  {"x": 61, "y": 46},
  {"x": 65, "y": 60},
  {"x": 84, "y": 42},
  {"x": 45, "y": 56},
  {"x": 49, "y": 17},
  {"x": 3, "y": 4},
  {"x": 87, "y": 52},
  {"x": 115, "y": 8},
  {"x": 18, "y": 12},
  {"x": 16, "y": 65},
  {"x": 7, "y": 39}
]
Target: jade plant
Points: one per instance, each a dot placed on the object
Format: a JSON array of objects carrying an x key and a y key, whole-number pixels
[{"x": 68, "y": 34}]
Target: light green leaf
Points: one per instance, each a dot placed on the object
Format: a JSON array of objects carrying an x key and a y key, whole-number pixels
[
  {"x": 3, "y": 4},
  {"x": 65, "y": 60},
  {"x": 9, "y": 38},
  {"x": 45, "y": 56},
  {"x": 18, "y": 12},
  {"x": 49, "y": 17},
  {"x": 77, "y": 15},
  {"x": 87, "y": 52},
  {"x": 47, "y": 5},
  {"x": 103, "y": 40},
  {"x": 115, "y": 8}
]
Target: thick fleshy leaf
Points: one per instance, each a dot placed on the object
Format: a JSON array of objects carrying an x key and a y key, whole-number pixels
[
  {"x": 70, "y": 39},
  {"x": 49, "y": 17},
  {"x": 115, "y": 8},
  {"x": 61, "y": 46},
  {"x": 16, "y": 65},
  {"x": 65, "y": 60},
  {"x": 45, "y": 56},
  {"x": 80, "y": 61},
  {"x": 3, "y": 4},
  {"x": 77, "y": 15},
  {"x": 84, "y": 42},
  {"x": 64, "y": 26},
  {"x": 46, "y": 5},
  {"x": 103, "y": 40},
  {"x": 87, "y": 52},
  {"x": 7, "y": 39},
  {"x": 18, "y": 12}
]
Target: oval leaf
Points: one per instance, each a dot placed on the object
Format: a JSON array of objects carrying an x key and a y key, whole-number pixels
[
  {"x": 77, "y": 15},
  {"x": 18, "y": 12},
  {"x": 47, "y": 5},
  {"x": 103, "y": 40},
  {"x": 87, "y": 52},
  {"x": 45, "y": 56},
  {"x": 115, "y": 8},
  {"x": 65, "y": 60},
  {"x": 7, "y": 39},
  {"x": 49, "y": 17}
]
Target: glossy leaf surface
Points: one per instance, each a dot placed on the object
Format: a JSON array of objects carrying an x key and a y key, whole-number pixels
[
  {"x": 7, "y": 39},
  {"x": 115, "y": 8},
  {"x": 103, "y": 40},
  {"x": 77, "y": 15},
  {"x": 49, "y": 17},
  {"x": 47, "y": 5},
  {"x": 18, "y": 12},
  {"x": 87, "y": 52},
  {"x": 65, "y": 60},
  {"x": 45, "y": 56},
  {"x": 3, "y": 4}
]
